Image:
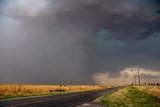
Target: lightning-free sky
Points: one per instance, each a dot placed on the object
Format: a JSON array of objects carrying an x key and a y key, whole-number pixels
[{"x": 79, "y": 41}]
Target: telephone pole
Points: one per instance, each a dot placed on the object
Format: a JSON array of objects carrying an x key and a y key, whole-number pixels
[
  {"x": 134, "y": 79},
  {"x": 138, "y": 77}
]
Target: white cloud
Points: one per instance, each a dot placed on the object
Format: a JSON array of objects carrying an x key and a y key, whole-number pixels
[{"x": 127, "y": 77}]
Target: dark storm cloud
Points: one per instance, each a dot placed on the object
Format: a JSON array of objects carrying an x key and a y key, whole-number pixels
[
  {"x": 158, "y": 2},
  {"x": 68, "y": 41},
  {"x": 1, "y": 4},
  {"x": 123, "y": 20},
  {"x": 123, "y": 17}
]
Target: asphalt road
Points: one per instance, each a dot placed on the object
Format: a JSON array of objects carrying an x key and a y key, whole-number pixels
[{"x": 63, "y": 100}]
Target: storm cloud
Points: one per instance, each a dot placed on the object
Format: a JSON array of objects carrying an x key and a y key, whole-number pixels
[{"x": 69, "y": 41}]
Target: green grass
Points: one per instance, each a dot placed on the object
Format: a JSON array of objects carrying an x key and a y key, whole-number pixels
[
  {"x": 129, "y": 97},
  {"x": 29, "y": 95}
]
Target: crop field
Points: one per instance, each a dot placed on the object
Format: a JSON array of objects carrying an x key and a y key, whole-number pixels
[{"x": 18, "y": 90}]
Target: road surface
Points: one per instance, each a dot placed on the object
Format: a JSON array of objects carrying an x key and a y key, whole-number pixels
[{"x": 63, "y": 100}]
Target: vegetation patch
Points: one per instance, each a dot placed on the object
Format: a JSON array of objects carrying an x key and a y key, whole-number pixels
[
  {"x": 8, "y": 91},
  {"x": 129, "y": 97}
]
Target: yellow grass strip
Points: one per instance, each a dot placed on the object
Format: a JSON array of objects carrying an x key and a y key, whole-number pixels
[
  {"x": 18, "y": 90},
  {"x": 152, "y": 90}
]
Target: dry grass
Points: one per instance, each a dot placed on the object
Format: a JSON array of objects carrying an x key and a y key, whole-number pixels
[
  {"x": 15, "y": 90},
  {"x": 152, "y": 90}
]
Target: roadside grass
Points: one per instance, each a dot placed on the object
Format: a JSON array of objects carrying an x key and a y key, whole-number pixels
[
  {"x": 29, "y": 95},
  {"x": 8, "y": 91},
  {"x": 129, "y": 97}
]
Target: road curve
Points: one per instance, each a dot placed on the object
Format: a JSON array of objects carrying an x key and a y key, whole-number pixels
[{"x": 63, "y": 100}]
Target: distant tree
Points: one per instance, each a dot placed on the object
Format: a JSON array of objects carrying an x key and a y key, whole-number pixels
[
  {"x": 157, "y": 84},
  {"x": 19, "y": 89},
  {"x": 62, "y": 85},
  {"x": 153, "y": 84}
]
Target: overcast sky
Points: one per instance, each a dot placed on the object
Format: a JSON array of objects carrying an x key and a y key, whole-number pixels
[{"x": 79, "y": 41}]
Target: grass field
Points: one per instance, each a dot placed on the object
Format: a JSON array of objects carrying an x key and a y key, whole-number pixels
[
  {"x": 130, "y": 97},
  {"x": 15, "y": 90},
  {"x": 151, "y": 90}
]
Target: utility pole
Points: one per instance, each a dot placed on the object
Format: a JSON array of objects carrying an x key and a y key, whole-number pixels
[
  {"x": 138, "y": 77},
  {"x": 135, "y": 76},
  {"x": 135, "y": 79}
]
